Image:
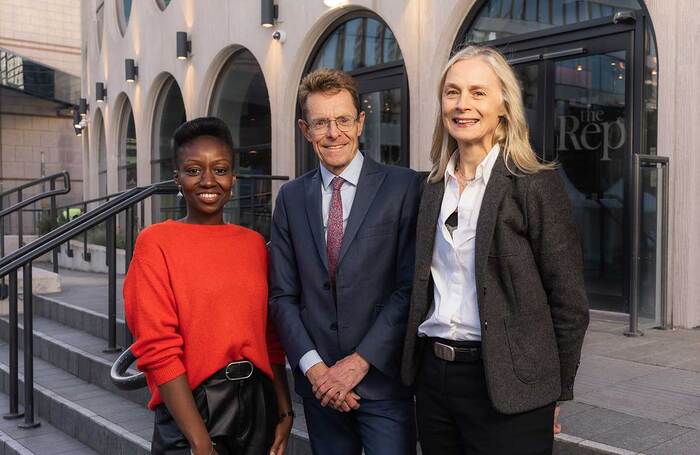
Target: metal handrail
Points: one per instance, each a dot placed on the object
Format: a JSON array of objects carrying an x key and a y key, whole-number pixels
[
  {"x": 23, "y": 257},
  {"x": 51, "y": 193},
  {"x": 38, "y": 181},
  {"x": 37, "y": 197},
  {"x": 65, "y": 232}
]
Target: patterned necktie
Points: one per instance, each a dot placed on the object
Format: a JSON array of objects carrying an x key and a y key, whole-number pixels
[{"x": 334, "y": 236}]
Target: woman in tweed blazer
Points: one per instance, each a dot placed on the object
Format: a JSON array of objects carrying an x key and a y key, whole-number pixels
[{"x": 499, "y": 308}]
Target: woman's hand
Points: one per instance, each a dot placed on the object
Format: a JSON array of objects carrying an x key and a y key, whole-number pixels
[{"x": 282, "y": 431}]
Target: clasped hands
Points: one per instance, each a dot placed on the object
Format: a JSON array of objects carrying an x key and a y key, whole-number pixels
[{"x": 335, "y": 385}]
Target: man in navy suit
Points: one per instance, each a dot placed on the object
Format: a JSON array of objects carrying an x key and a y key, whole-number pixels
[{"x": 341, "y": 263}]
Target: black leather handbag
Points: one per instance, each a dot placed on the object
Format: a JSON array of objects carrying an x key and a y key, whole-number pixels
[{"x": 239, "y": 408}]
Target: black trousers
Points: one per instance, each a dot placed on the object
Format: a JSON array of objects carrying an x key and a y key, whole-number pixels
[
  {"x": 455, "y": 415},
  {"x": 241, "y": 417}
]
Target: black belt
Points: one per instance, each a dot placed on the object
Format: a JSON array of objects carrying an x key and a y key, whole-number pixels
[
  {"x": 456, "y": 351},
  {"x": 235, "y": 371}
]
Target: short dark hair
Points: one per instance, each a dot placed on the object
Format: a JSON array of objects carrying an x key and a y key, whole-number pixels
[
  {"x": 327, "y": 80},
  {"x": 202, "y": 126}
]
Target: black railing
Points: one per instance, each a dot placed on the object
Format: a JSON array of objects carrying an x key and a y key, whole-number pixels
[
  {"x": 21, "y": 203},
  {"x": 107, "y": 213}
]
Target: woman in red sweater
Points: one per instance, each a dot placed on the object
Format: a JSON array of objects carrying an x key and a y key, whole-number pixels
[{"x": 196, "y": 301}]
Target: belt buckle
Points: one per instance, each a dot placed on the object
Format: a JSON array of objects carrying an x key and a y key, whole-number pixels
[
  {"x": 240, "y": 362},
  {"x": 443, "y": 351}
]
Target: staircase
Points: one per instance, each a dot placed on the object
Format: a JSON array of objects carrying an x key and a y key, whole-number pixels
[{"x": 79, "y": 408}]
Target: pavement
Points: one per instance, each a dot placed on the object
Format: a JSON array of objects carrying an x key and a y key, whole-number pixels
[{"x": 633, "y": 395}]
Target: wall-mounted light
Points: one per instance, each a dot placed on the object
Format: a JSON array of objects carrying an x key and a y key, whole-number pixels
[
  {"x": 279, "y": 35},
  {"x": 78, "y": 131},
  {"x": 335, "y": 3},
  {"x": 130, "y": 70},
  {"x": 100, "y": 92},
  {"x": 76, "y": 118},
  {"x": 83, "y": 107},
  {"x": 268, "y": 13},
  {"x": 184, "y": 46}
]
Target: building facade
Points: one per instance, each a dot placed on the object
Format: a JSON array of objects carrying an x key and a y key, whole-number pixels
[
  {"x": 40, "y": 65},
  {"x": 610, "y": 89}
]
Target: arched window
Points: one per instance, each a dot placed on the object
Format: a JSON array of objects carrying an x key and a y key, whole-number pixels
[
  {"x": 591, "y": 105},
  {"x": 169, "y": 114},
  {"x": 123, "y": 14},
  {"x": 101, "y": 156},
  {"x": 240, "y": 98},
  {"x": 362, "y": 45},
  {"x": 126, "y": 170}
]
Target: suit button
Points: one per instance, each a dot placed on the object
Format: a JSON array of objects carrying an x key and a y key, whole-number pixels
[
  {"x": 326, "y": 285},
  {"x": 334, "y": 326}
]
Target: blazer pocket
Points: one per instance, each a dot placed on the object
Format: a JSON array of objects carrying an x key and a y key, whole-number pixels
[
  {"x": 532, "y": 345},
  {"x": 376, "y": 230}
]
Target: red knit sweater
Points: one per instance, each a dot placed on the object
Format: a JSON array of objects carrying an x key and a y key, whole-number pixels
[{"x": 195, "y": 298}]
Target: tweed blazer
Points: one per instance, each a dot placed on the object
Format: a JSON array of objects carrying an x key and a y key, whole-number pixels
[{"x": 530, "y": 290}]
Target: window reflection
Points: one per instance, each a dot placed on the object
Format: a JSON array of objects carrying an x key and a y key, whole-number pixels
[
  {"x": 170, "y": 113},
  {"x": 503, "y": 18},
  {"x": 126, "y": 170},
  {"x": 240, "y": 98},
  {"x": 358, "y": 43}
]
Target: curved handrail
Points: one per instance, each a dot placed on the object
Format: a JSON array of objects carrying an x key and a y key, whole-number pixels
[
  {"x": 48, "y": 178},
  {"x": 118, "y": 374},
  {"x": 38, "y": 197}
]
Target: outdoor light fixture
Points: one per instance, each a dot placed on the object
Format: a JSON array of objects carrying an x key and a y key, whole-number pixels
[
  {"x": 100, "y": 92},
  {"x": 83, "y": 107},
  {"x": 76, "y": 118},
  {"x": 78, "y": 131},
  {"x": 279, "y": 35},
  {"x": 184, "y": 46},
  {"x": 131, "y": 70},
  {"x": 268, "y": 13}
]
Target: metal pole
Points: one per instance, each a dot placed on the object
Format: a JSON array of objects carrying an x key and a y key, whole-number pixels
[
  {"x": 111, "y": 227},
  {"x": 636, "y": 226},
  {"x": 86, "y": 254},
  {"x": 14, "y": 351},
  {"x": 20, "y": 238},
  {"x": 29, "y": 421},
  {"x": 3, "y": 286},
  {"x": 129, "y": 237},
  {"x": 54, "y": 219}
]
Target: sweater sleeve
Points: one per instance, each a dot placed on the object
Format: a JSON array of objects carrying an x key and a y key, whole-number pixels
[
  {"x": 274, "y": 346},
  {"x": 151, "y": 314}
]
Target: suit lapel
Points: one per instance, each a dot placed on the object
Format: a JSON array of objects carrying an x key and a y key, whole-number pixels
[
  {"x": 425, "y": 229},
  {"x": 495, "y": 190},
  {"x": 371, "y": 178},
  {"x": 313, "y": 212}
]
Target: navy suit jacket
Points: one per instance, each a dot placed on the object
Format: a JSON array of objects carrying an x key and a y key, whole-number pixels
[{"x": 369, "y": 310}]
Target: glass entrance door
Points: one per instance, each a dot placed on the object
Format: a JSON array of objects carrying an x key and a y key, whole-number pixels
[{"x": 578, "y": 103}]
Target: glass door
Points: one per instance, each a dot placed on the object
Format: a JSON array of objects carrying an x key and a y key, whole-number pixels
[{"x": 578, "y": 102}]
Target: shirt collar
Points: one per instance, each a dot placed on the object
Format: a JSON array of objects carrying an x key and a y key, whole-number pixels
[
  {"x": 483, "y": 170},
  {"x": 350, "y": 174}
]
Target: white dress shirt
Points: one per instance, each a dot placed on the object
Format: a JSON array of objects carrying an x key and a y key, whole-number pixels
[
  {"x": 351, "y": 175},
  {"x": 454, "y": 314}
]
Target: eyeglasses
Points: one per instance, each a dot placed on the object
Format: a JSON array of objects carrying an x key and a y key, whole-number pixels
[{"x": 321, "y": 125}]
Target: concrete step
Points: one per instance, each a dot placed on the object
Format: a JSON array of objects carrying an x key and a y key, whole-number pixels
[
  {"x": 89, "y": 321},
  {"x": 102, "y": 420},
  {"x": 75, "y": 352},
  {"x": 44, "y": 440}
]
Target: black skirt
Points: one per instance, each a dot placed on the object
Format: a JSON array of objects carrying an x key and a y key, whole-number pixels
[{"x": 240, "y": 415}]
